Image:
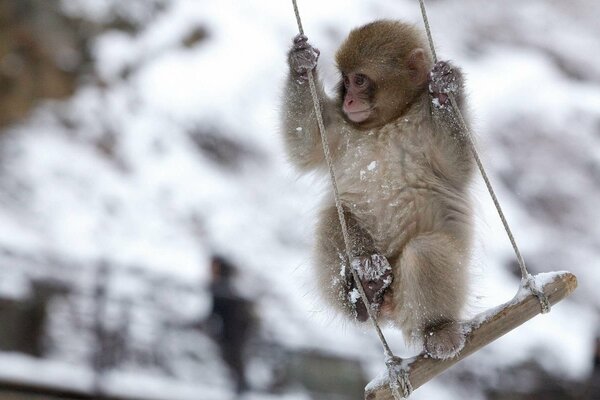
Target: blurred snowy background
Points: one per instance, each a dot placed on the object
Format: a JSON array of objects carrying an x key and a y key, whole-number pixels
[{"x": 139, "y": 138}]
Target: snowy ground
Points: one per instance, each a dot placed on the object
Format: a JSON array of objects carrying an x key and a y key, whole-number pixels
[{"x": 158, "y": 200}]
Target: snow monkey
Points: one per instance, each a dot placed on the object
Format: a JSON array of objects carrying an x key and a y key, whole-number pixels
[{"x": 403, "y": 170}]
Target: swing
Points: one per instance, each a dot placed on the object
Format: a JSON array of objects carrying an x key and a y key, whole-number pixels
[{"x": 536, "y": 294}]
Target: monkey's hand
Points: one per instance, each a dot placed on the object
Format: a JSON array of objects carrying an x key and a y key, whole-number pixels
[
  {"x": 443, "y": 80},
  {"x": 375, "y": 274},
  {"x": 302, "y": 58}
]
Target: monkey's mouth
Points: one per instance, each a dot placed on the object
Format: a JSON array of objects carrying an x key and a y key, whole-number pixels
[{"x": 358, "y": 116}]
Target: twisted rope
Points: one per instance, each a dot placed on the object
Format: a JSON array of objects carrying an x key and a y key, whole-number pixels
[{"x": 525, "y": 275}]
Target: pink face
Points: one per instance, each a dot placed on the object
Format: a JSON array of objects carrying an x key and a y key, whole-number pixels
[{"x": 357, "y": 104}]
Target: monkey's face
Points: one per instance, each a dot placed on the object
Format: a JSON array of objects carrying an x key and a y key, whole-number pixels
[
  {"x": 372, "y": 98},
  {"x": 384, "y": 68},
  {"x": 357, "y": 97}
]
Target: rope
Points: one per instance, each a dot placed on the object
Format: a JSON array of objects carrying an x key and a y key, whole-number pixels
[
  {"x": 525, "y": 275},
  {"x": 395, "y": 376},
  {"x": 398, "y": 378},
  {"x": 428, "y": 29}
]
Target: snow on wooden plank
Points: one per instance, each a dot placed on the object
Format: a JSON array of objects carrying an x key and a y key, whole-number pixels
[{"x": 483, "y": 329}]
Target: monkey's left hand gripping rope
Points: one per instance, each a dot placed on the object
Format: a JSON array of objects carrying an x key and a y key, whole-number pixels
[
  {"x": 398, "y": 376},
  {"x": 526, "y": 277}
]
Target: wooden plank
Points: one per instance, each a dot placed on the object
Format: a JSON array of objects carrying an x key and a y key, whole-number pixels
[{"x": 484, "y": 329}]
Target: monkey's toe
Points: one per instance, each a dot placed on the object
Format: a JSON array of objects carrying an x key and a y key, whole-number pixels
[
  {"x": 361, "y": 311},
  {"x": 444, "y": 341},
  {"x": 375, "y": 275}
]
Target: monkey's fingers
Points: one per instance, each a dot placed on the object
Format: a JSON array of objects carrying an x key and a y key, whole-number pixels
[
  {"x": 370, "y": 267},
  {"x": 304, "y": 60},
  {"x": 442, "y": 79},
  {"x": 442, "y": 82},
  {"x": 375, "y": 275},
  {"x": 301, "y": 46},
  {"x": 379, "y": 287},
  {"x": 442, "y": 67},
  {"x": 300, "y": 38},
  {"x": 375, "y": 291},
  {"x": 356, "y": 303},
  {"x": 361, "y": 311},
  {"x": 445, "y": 340}
]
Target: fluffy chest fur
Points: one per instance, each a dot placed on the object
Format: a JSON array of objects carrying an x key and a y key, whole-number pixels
[{"x": 387, "y": 173}]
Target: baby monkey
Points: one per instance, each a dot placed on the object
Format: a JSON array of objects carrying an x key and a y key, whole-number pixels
[{"x": 403, "y": 170}]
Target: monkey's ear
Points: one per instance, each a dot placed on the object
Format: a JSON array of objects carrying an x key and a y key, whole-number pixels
[{"x": 417, "y": 66}]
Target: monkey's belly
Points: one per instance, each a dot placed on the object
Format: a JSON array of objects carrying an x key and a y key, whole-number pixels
[
  {"x": 393, "y": 217},
  {"x": 385, "y": 180}
]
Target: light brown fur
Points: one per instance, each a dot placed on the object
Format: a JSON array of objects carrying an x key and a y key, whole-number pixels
[{"x": 403, "y": 180}]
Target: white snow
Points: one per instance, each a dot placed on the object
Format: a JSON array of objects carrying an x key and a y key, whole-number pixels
[
  {"x": 354, "y": 295},
  {"x": 160, "y": 203},
  {"x": 156, "y": 386},
  {"x": 19, "y": 368}
]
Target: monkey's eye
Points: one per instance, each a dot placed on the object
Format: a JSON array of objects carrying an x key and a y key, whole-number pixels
[
  {"x": 346, "y": 81},
  {"x": 360, "y": 80}
]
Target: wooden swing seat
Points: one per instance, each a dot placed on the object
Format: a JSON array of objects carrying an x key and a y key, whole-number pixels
[{"x": 482, "y": 330}]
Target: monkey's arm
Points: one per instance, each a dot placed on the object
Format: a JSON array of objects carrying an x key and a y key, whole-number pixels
[
  {"x": 446, "y": 80},
  {"x": 301, "y": 132}
]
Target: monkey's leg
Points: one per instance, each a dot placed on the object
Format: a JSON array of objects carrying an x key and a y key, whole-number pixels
[
  {"x": 335, "y": 274},
  {"x": 433, "y": 277}
]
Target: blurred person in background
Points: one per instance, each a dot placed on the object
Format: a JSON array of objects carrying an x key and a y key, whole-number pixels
[
  {"x": 231, "y": 321},
  {"x": 593, "y": 392}
]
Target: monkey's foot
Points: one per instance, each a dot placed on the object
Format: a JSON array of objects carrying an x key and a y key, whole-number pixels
[
  {"x": 375, "y": 274},
  {"x": 444, "y": 341},
  {"x": 442, "y": 81}
]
